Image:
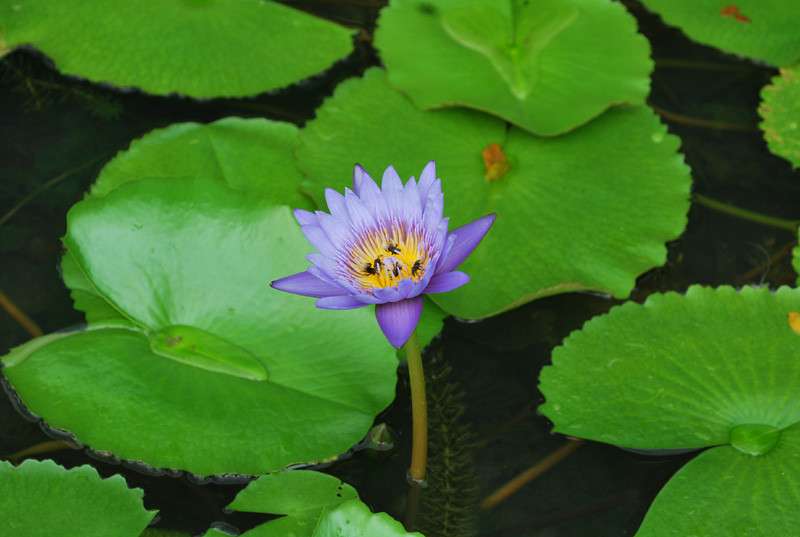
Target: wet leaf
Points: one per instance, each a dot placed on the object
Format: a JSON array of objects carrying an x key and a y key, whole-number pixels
[
  {"x": 780, "y": 110},
  {"x": 197, "y": 48},
  {"x": 354, "y": 519},
  {"x": 546, "y": 66},
  {"x": 43, "y": 498}
]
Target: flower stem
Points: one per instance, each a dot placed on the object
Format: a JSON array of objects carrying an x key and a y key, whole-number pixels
[
  {"x": 419, "y": 410},
  {"x": 790, "y": 225}
]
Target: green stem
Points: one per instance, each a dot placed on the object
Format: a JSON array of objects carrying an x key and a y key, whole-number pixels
[
  {"x": 790, "y": 225},
  {"x": 419, "y": 410}
]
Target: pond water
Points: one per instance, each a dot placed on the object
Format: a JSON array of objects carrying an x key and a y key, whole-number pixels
[{"x": 57, "y": 132}]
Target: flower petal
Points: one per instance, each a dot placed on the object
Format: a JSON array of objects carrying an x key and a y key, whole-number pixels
[
  {"x": 399, "y": 319},
  {"x": 412, "y": 207},
  {"x": 344, "y": 302},
  {"x": 360, "y": 177},
  {"x": 442, "y": 283},
  {"x": 426, "y": 180},
  {"x": 392, "y": 188},
  {"x": 305, "y": 218},
  {"x": 306, "y": 284},
  {"x": 318, "y": 240},
  {"x": 336, "y": 205},
  {"x": 467, "y": 238},
  {"x": 360, "y": 217},
  {"x": 338, "y": 233}
]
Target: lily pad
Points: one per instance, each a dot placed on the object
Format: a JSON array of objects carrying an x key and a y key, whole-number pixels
[
  {"x": 546, "y": 66},
  {"x": 354, "y": 519},
  {"x": 207, "y": 368},
  {"x": 300, "y": 495},
  {"x": 763, "y": 30},
  {"x": 780, "y": 110},
  {"x": 41, "y": 498},
  {"x": 588, "y": 210},
  {"x": 711, "y": 368},
  {"x": 207, "y": 48},
  {"x": 725, "y": 493}
]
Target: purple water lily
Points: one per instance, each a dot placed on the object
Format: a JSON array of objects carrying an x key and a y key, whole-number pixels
[{"x": 386, "y": 246}]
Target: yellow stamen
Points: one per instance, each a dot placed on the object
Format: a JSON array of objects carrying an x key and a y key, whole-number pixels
[{"x": 383, "y": 258}]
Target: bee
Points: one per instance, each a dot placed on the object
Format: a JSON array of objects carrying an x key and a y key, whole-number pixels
[
  {"x": 378, "y": 263},
  {"x": 369, "y": 269},
  {"x": 396, "y": 269},
  {"x": 416, "y": 268},
  {"x": 391, "y": 247}
]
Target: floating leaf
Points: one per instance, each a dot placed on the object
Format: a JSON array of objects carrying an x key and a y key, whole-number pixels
[
  {"x": 726, "y": 493},
  {"x": 43, "y": 498},
  {"x": 192, "y": 258},
  {"x": 711, "y": 368},
  {"x": 354, "y": 519},
  {"x": 198, "y": 48},
  {"x": 780, "y": 110},
  {"x": 754, "y": 28},
  {"x": 546, "y": 66},
  {"x": 587, "y": 210},
  {"x": 300, "y": 495}
]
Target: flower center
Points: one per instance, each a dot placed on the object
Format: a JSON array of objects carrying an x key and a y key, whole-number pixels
[{"x": 384, "y": 257}]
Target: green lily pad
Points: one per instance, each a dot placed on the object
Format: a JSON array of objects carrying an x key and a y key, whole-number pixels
[
  {"x": 780, "y": 110},
  {"x": 208, "y": 48},
  {"x": 679, "y": 371},
  {"x": 354, "y": 519},
  {"x": 753, "y": 28},
  {"x": 711, "y": 368},
  {"x": 300, "y": 495},
  {"x": 41, "y": 498},
  {"x": 725, "y": 493},
  {"x": 588, "y": 210},
  {"x": 207, "y": 369},
  {"x": 546, "y": 66},
  {"x": 254, "y": 155}
]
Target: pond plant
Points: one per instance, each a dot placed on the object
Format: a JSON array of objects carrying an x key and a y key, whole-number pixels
[{"x": 191, "y": 364}]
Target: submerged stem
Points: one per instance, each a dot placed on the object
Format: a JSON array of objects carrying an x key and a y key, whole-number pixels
[
  {"x": 419, "y": 410},
  {"x": 790, "y": 225}
]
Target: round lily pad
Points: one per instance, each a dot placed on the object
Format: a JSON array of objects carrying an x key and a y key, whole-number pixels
[
  {"x": 753, "y": 28},
  {"x": 726, "y": 493},
  {"x": 678, "y": 371},
  {"x": 547, "y": 66},
  {"x": 202, "y": 48},
  {"x": 780, "y": 110},
  {"x": 41, "y": 498},
  {"x": 212, "y": 371},
  {"x": 254, "y": 155},
  {"x": 591, "y": 209}
]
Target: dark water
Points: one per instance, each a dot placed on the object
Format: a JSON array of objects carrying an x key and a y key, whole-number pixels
[{"x": 51, "y": 125}]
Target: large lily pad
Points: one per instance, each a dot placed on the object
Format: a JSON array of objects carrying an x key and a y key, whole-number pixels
[
  {"x": 711, "y": 368},
  {"x": 41, "y": 498},
  {"x": 206, "y": 368},
  {"x": 207, "y": 48},
  {"x": 766, "y": 30},
  {"x": 780, "y": 110},
  {"x": 587, "y": 210},
  {"x": 546, "y": 66}
]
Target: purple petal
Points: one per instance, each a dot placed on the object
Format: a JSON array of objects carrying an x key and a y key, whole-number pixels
[
  {"x": 426, "y": 180},
  {"x": 467, "y": 238},
  {"x": 336, "y": 205},
  {"x": 360, "y": 177},
  {"x": 442, "y": 283},
  {"x": 318, "y": 240},
  {"x": 344, "y": 302},
  {"x": 392, "y": 188},
  {"x": 399, "y": 319},
  {"x": 305, "y": 218},
  {"x": 338, "y": 233},
  {"x": 432, "y": 215},
  {"x": 360, "y": 218},
  {"x": 412, "y": 208},
  {"x": 388, "y": 294},
  {"x": 306, "y": 284}
]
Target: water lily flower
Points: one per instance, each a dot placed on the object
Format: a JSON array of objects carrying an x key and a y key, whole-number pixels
[{"x": 386, "y": 246}]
